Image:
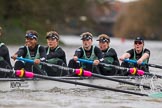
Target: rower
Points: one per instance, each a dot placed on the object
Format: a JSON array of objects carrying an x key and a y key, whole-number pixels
[
  {"x": 55, "y": 54},
  {"x": 4, "y": 57},
  {"x": 138, "y": 53},
  {"x": 88, "y": 52},
  {"x": 31, "y": 50},
  {"x": 109, "y": 54}
]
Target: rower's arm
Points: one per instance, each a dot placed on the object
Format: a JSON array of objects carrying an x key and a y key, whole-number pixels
[
  {"x": 124, "y": 56},
  {"x": 143, "y": 57}
]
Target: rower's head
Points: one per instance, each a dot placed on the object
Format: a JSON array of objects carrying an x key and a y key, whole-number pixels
[
  {"x": 104, "y": 41},
  {"x": 52, "y": 39},
  {"x": 32, "y": 34},
  {"x": 31, "y": 38},
  {"x": 139, "y": 43},
  {"x": 103, "y": 38},
  {"x": 139, "y": 39},
  {"x": 86, "y": 36},
  {"x": 52, "y": 35},
  {"x": 87, "y": 39}
]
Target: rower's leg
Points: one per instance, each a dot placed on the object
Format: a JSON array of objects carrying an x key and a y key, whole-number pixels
[
  {"x": 124, "y": 72},
  {"x": 19, "y": 65}
]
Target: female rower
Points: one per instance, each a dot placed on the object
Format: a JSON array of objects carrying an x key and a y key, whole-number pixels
[
  {"x": 55, "y": 54},
  {"x": 31, "y": 50},
  {"x": 138, "y": 53},
  {"x": 4, "y": 57},
  {"x": 88, "y": 52},
  {"x": 109, "y": 54}
]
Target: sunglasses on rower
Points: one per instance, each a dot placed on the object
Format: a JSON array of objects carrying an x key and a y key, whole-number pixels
[{"x": 138, "y": 42}]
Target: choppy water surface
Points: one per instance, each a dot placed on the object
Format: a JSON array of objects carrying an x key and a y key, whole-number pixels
[{"x": 85, "y": 98}]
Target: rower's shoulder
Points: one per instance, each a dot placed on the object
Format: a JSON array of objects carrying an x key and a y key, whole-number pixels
[{"x": 22, "y": 46}]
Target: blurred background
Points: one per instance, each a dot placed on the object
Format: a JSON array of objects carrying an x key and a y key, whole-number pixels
[{"x": 116, "y": 18}]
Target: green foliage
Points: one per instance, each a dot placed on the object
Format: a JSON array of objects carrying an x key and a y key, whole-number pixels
[{"x": 17, "y": 16}]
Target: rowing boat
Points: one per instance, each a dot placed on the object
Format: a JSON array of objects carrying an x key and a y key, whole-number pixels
[
  {"x": 10, "y": 84},
  {"x": 31, "y": 81},
  {"x": 35, "y": 82}
]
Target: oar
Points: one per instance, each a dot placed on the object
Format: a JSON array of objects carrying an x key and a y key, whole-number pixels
[
  {"x": 47, "y": 64},
  {"x": 80, "y": 72},
  {"x": 89, "y": 74},
  {"x": 130, "y": 70},
  {"x": 104, "y": 64},
  {"x": 32, "y": 75},
  {"x": 143, "y": 63},
  {"x": 27, "y": 74}
]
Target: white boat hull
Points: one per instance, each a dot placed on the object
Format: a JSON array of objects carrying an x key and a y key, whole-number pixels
[{"x": 10, "y": 84}]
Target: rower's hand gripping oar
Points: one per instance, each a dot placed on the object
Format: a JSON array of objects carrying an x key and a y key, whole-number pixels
[{"x": 143, "y": 63}]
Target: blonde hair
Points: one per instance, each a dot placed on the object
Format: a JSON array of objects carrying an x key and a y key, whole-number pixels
[
  {"x": 53, "y": 33},
  {"x": 103, "y": 36},
  {"x": 86, "y": 33}
]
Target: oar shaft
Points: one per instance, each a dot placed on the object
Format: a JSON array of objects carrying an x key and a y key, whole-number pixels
[
  {"x": 89, "y": 74},
  {"x": 6, "y": 70},
  {"x": 87, "y": 85},
  {"x": 143, "y": 63},
  {"x": 102, "y": 64},
  {"x": 150, "y": 74},
  {"x": 130, "y": 70},
  {"x": 31, "y": 75},
  {"x": 121, "y": 81},
  {"x": 44, "y": 63},
  {"x": 57, "y": 66},
  {"x": 25, "y": 60},
  {"x": 154, "y": 65},
  {"x": 85, "y": 61},
  {"x": 114, "y": 66},
  {"x": 133, "y": 61}
]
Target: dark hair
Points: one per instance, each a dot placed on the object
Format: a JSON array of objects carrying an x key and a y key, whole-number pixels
[
  {"x": 139, "y": 38},
  {"x": 32, "y": 32}
]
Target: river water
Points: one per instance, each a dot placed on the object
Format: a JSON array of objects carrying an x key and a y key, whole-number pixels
[{"x": 85, "y": 98}]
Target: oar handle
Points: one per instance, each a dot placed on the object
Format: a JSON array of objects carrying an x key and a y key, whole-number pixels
[
  {"x": 25, "y": 60},
  {"x": 143, "y": 63},
  {"x": 85, "y": 61},
  {"x": 133, "y": 61}
]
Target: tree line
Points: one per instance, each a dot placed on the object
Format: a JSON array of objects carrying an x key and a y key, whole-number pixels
[{"x": 16, "y": 16}]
